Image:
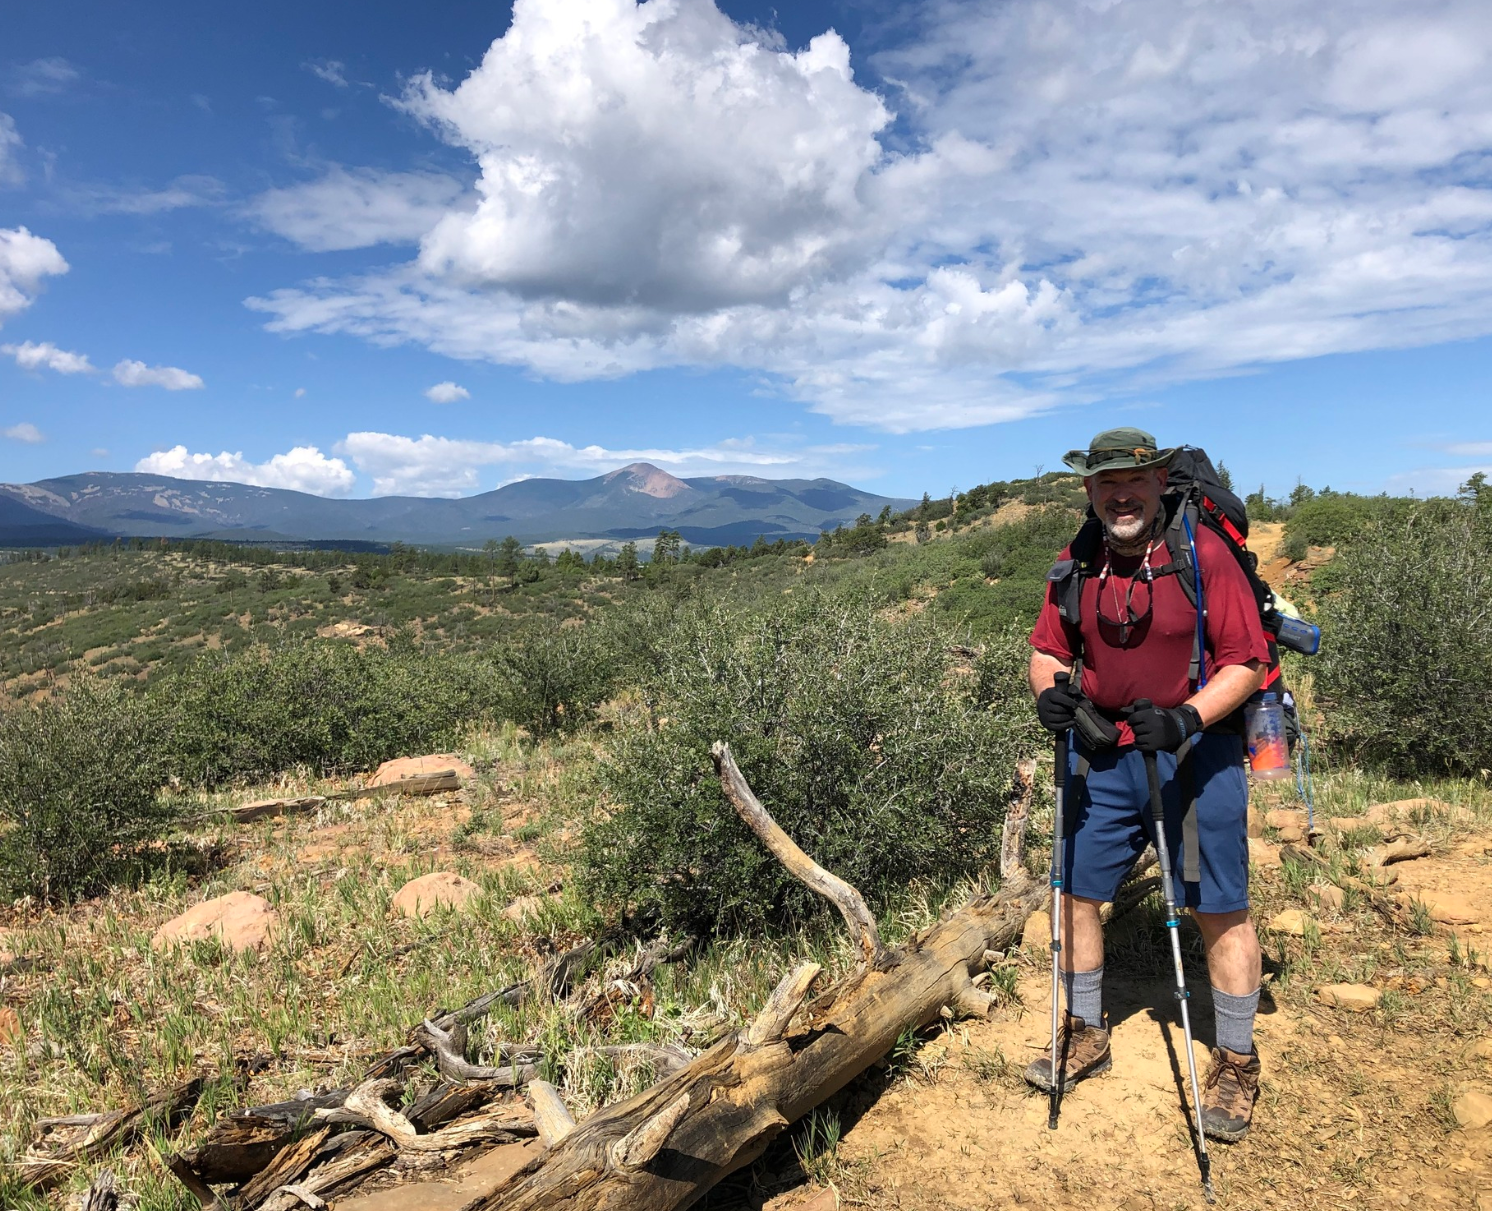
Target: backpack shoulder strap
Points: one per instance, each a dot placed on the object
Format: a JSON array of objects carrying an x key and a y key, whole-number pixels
[{"x": 1067, "y": 575}]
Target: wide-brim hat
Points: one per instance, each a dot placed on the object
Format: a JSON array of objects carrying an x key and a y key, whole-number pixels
[{"x": 1118, "y": 450}]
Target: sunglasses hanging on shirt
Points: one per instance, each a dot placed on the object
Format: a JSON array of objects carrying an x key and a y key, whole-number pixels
[{"x": 1130, "y": 621}]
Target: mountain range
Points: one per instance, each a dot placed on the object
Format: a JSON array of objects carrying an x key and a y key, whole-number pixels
[{"x": 632, "y": 502}]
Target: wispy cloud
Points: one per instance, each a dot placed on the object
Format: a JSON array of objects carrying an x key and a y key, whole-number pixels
[
  {"x": 1080, "y": 199},
  {"x": 137, "y": 374},
  {"x": 446, "y": 393},
  {"x": 25, "y": 432},
  {"x": 333, "y": 71},
  {"x": 356, "y": 208},
  {"x": 40, "y": 77},
  {"x": 11, "y": 172},
  {"x": 45, "y": 355},
  {"x": 303, "y": 469},
  {"x": 183, "y": 192}
]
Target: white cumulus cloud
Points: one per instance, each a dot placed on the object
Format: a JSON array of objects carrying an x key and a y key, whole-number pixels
[
  {"x": 357, "y": 208},
  {"x": 25, "y": 259},
  {"x": 137, "y": 374},
  {"x": 446, "y": 393},
  {"x": 444, "y": 466},
  {"x": 31, "y": 355},
  {"x": 303, "y": 469},
  {"x": 1076, "y": 198},
  {"x": 25, "y": 432}
]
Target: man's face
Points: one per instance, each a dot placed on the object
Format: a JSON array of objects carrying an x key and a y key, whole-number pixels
[{"x": 1127, "y": 501}]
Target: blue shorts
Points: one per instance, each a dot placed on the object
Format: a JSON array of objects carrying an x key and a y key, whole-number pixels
[{"x": 1109, "y": 822}]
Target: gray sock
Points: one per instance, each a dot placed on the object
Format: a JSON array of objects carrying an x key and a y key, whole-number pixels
[
  {"x": 1085, "y": 995},
  {"x": 1235, "y": 1020}
]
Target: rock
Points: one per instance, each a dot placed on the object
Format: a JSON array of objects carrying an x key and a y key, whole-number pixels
[
  {"x": 1347, "y": 824},
  {"x": 824, "y": 1200},
  {"x": 1286, "y": 817},
  {"x": 1481, "y": 1049},
  {"x": 1262, "y": 854},
  {"x": 242, "y": 920},
  {"x": 10, "y": 1026},
  {"x": 1356, "y": 997},
  {"x": 1329, "y": 895},
  {"x": 1400, "y": 849},
  {"x": 1290, "y": 835},
  {"x": 1448, "y": 908},
  {"x": 1255, "y": 822},
  {"x": 1038, "y": 932},
  {"x": 404, "y": 769},
  {"x": 440, "y": 889},
  {"x": 1292, "y": 921},
  {"x": 522, "y": 908},
  {"x": 1401, "y": 809},
  {"x": 1472, "y": 1109}
]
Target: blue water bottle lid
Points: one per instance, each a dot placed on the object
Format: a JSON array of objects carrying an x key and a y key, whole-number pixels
[{"x": 1269, "y": 697}]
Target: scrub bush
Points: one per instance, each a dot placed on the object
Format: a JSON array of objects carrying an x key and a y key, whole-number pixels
[
  {"x": 79, "y": 774},
  {"x": 319, "y": 703},
  {"x": 553, "y": 677},
  {"x": 1408, "y": 642},
  {"x": 869, "y": 744}
]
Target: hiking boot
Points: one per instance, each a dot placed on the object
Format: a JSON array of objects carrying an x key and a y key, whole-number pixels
[
  {"x": 1083, "y": 1051},
  {"x": 1228, "y": 1095}
]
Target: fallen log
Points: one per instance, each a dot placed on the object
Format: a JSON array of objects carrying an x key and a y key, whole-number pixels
[
  {"x": 63, "y": 1144},
  {"x": 274, "y": 809},
  {"x": 664, "y": 1148}
]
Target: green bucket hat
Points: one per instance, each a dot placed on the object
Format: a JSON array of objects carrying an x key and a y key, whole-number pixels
[{"x": 1118, "y": 450}]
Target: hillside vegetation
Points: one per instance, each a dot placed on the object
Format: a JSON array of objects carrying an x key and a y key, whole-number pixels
[{"x": 872, "y": 689}]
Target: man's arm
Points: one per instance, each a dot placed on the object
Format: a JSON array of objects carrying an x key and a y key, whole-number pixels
[
  {"x": 1044, "y": 669},
  {"x": 1229, "y": 688}
]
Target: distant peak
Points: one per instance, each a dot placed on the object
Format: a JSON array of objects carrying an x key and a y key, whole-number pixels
[{"x": 649, "y": 480}]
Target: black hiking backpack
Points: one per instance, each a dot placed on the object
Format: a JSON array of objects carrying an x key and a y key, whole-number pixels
[{"x": 1194, "y": 497}]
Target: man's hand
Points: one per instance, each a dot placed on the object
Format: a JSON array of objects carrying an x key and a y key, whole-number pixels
[
  {"x": 1057, "y": 706},
  {"x": 1160, "y": 729}
]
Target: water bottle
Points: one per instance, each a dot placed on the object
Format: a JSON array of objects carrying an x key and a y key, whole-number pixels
[
  {"x": 1264, "y": 722},
  {"x": 1298, "y": 635}
]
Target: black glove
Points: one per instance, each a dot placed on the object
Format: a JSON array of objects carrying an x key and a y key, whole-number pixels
[
  {"x": 1162, "y": 729},
  {"x": 1057, "y": 707}
]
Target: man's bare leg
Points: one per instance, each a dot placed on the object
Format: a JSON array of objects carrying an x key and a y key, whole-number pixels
[{"x": 1233, "y": 958}]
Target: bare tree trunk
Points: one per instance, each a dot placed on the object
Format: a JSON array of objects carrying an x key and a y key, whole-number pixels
[{"x": 666, "y": 1147}]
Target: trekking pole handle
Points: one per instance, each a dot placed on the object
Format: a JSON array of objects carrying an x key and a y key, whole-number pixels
[{"x": 1061, "y": 680}]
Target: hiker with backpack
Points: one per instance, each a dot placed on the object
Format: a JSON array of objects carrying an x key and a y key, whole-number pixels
[{"x": 1155, "y": 621}]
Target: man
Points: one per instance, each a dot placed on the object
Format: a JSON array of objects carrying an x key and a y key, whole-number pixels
[{"x": 1135, "y": 638}]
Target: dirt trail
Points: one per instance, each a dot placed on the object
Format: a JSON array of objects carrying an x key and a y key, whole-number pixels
[{"x": 1351, "y": 1123}]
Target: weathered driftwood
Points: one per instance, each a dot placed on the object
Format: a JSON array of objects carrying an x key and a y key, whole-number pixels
[
  {"x": 288, "y": 1165},
  {"x": 851, "y": 904},
  {"x": 665, "y": 1147},
  {"x": 333, "y": 1176},
  {"x": 551, "y": 1115},
  {"x": 240, "y": 1145},
  {"x": 63, "y": 1144},
  {"x": 448, "y": 1058},
  {"x": 419, "y": 784},
  {"x": 103, "y": 1194},
  {"x": 366, "y": 1107},
  {"x": 267, "y": 809}
]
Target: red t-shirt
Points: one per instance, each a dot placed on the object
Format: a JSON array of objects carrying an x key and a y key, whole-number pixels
[{"x": 1155, "y": 657}]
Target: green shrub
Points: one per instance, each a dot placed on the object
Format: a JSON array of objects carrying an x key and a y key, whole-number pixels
[
  {"x": 78, "y": 780},
  {"x": 857, "y": 732},
  {"x": 553, "y": 677},
  {"x": 1403, "y": 674},
  {"x": 320, "y": 703}
]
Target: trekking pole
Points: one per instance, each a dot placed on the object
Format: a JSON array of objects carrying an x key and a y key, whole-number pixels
[
  {"x": 1173, "y": 926},
  {"x": 1060, "y": 783}
]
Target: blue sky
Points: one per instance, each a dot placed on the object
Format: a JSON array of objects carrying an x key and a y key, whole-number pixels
[{"x": 360, "y": 248}]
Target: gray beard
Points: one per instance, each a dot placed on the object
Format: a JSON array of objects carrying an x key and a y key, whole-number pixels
[{"x": 1134, "y": 543}]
